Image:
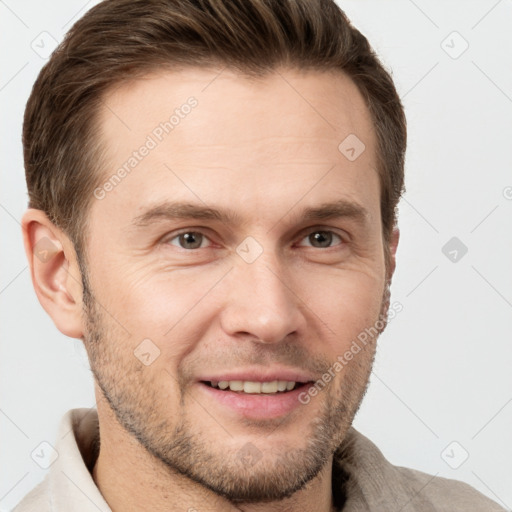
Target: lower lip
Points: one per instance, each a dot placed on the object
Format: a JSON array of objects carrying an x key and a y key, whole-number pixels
[{"x": 257, "y": 406}]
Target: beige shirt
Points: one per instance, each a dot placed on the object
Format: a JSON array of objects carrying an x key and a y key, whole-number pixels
[{"x": 362, "y": 477}]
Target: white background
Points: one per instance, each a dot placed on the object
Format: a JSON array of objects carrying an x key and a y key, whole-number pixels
[{"x": 443, "y": 370}]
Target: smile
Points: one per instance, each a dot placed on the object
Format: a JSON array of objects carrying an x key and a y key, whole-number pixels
[{"x": 253, "y": 387}]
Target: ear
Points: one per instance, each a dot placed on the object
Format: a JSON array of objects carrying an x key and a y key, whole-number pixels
[
  {"x": 54, "y": 271},
  {"x": 391, "y": 249},
  {"x": 395, "y": 237}
]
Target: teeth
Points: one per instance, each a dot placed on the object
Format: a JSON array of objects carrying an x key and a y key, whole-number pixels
[
  {"x": 254, "y": 387},
  {"x": 281, "y": 385},
  {"x": 236, "y": 385},
  {"x": 269, "y": 387}
]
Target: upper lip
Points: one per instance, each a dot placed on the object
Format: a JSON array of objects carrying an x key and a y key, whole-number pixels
[{"x": 259, "y": 375}]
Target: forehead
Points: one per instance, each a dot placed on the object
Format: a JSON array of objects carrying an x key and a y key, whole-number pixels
[
  {"x": 325, "y": 103},
  {"x": 197, "y": 133}
]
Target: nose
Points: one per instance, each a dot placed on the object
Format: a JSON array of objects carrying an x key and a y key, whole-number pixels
[{"x": 260, "y": 302}]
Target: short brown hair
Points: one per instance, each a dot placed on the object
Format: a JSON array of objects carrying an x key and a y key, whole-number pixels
[{"x": 119, "y": 39}]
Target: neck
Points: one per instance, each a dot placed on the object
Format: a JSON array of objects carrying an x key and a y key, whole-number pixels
[{"x": 131, "y": 479}]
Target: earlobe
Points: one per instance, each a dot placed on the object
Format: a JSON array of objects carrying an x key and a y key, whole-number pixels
[{"x": 54, "y": 271}]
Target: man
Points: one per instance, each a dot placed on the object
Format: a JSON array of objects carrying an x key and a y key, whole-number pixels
[{"x": 213, "y": 190}]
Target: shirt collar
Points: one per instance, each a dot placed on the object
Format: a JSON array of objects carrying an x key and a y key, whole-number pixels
[{"x": 70, "y": 480}]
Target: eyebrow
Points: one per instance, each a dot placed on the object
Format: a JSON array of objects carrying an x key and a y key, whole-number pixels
[{"x": 165, "y": 211}]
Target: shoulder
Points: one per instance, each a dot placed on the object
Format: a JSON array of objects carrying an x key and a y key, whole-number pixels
[
  {"x": 69, "y": 480},
  {"x": 370, "y": 480},
  {"x": 36, "y": 500},
  {"x": 444, "y": 494}
]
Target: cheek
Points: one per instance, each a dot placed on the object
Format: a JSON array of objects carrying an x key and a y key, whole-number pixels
[
  {"x": 344, "y": 303},
  {"x": 168, "y": 307}
]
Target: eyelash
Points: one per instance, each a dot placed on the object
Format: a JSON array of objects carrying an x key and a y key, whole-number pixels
[{"x": 168, "y": 240}]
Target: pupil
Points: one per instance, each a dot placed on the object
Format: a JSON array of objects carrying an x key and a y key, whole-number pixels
[
  {"x": 187, "y": 239},
  {"x": 322, "y": 237}
]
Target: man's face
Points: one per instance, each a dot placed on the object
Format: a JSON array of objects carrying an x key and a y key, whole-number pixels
[{"x": 265, "y": 295}]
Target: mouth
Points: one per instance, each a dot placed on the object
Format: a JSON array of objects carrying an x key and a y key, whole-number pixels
[
  {"x": 255, "y": 387},
  {"x": 254, "y": 400}
]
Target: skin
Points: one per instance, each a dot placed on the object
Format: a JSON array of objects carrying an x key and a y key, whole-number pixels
[{"x": 266, "y": 150}]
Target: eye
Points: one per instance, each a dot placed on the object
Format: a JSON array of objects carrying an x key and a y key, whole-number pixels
[
  {"x": 322, "y": 239},
  {"x": 188, "y": 240}
]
